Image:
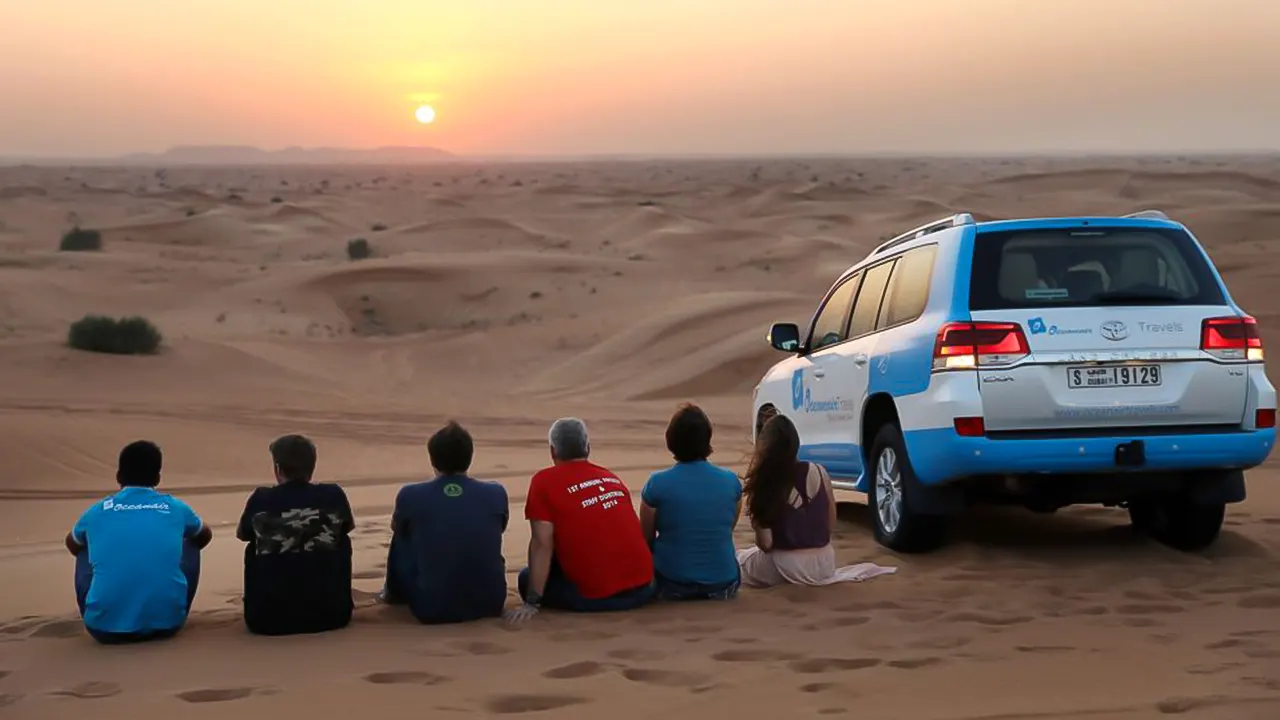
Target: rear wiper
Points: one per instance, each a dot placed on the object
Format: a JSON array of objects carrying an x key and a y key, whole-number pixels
[{"x": 1136, "y": 296}]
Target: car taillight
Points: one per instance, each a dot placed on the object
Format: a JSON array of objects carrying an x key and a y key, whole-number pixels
[
  {"x": 970, "y": 427},
  {"x": 1264, "y": 418},
  {"x": 968, "y": 345},
  {"x": 1231, "y": 338}
]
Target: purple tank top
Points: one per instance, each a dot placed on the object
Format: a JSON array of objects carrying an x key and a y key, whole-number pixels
[{"x": 808, "y": 526}]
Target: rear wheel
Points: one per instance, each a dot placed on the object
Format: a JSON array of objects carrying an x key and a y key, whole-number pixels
[
  {"x": 897, "y": 526},
  {"x": 1176, "y": 521}
]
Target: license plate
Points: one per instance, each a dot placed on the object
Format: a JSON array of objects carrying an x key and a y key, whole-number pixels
[{"x": 1113, "y": 376}]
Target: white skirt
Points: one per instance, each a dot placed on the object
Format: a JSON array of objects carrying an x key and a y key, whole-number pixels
[{"x": 802, "y": 567}]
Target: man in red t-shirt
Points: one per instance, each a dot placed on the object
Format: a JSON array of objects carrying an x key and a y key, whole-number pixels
[{"x": 587, "y": 552}]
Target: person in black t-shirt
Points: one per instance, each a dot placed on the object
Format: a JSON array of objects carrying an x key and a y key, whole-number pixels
[
  {"x": 297, "y": 561},
  {"x": 445, "y": 559}
]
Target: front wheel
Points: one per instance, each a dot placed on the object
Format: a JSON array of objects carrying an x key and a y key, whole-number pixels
[
  {"x": 1177, "y": 522},
  {"x": 897, "y": 526}
]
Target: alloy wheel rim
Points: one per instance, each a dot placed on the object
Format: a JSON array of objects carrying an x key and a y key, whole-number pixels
[{"x": 888, "y": 491}]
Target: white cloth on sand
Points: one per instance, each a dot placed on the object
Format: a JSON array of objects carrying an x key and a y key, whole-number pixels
[{"x": 802, "y": 567}]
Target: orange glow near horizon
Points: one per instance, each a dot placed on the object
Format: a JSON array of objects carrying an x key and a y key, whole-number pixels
[{"x": 581, "y": 76}]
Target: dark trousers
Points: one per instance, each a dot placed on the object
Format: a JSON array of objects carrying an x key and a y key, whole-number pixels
[
  {"x": 403, "y": 587},
  {"x": 190, "y": 564},
  {"x": 561, "y": 594},
  {"x": 667, "y": 589}
]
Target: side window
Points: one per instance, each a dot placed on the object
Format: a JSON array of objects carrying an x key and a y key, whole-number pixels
[
  {"x": 908, "y": 287},
  {"x": 867, "y": 307},
  {"x": 828, "y": 327}
]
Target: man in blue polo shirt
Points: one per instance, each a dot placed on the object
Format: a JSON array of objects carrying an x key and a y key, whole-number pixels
[
  {"x": 137, "y": 555},
  {"x": 445, "y": 559}
]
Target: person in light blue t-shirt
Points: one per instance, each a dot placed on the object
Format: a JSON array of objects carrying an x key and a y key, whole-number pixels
[
  {"x": 137, "y": 555},
  {"x": 688, "y": 513}
]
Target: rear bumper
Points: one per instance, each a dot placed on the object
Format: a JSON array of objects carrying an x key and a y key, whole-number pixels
[{"x": 940, "y": 456}]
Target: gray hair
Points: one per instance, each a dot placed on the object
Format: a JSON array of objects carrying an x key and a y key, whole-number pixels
[{"x": 568, "y": 438}]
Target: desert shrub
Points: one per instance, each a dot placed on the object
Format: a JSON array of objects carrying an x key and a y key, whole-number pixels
[
  {"x": 80, "y": 240},
  {"x": 123, "y": 336},
  {"x": 359, "y": 249}
]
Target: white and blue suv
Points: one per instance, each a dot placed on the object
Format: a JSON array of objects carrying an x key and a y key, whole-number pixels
[{"x": 1043, "y": 362}]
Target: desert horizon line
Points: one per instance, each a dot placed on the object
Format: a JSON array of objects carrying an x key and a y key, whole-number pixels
[{"x": 378, "y": 155}]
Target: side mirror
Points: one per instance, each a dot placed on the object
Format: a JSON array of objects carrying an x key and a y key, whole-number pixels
[{"x": 785, "y": 337}]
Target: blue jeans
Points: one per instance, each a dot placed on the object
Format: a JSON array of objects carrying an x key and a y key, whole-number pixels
[
  {"x": 190, "y": 564},
  {"x": 667, "y": 589},
  {"x": 438, "y": 606},
  {"x": 561, "y": 594}
]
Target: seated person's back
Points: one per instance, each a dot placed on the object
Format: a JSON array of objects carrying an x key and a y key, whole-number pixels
[
  {"x": 452, "y": 526},
  {"x": 689, "y": 511},
  {"x": 297, "y": 561},
  {"x": 697, "y": 508},
  {"x": 137, "y": 554}
]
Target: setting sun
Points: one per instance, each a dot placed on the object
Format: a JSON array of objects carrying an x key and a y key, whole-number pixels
[{"x": 425, "y": 114}]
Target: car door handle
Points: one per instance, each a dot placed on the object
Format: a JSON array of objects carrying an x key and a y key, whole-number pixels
[
  {"x": 860, "y": 360},
  {"x": 819, "y": 372}
]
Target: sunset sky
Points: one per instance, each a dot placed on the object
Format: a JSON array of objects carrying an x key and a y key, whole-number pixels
[{"x": 547, "y": 77}]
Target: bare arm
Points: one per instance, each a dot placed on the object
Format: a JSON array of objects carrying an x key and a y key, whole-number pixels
[
  {"x": 541, "y": 549},
  {"x": 73, "y": 546},
  {"x": 764, "y": 537},
  {"x": 831, "y": 494},
  {"x": 202, "y": 538},
  {"x": 648, "y": 522}
]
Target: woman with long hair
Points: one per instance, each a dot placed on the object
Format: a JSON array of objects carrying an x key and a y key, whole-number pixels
[{"x": 792, "y": 506}]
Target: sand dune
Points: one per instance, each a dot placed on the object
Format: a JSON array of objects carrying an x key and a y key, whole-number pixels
[{"x": 505, "y": 295}]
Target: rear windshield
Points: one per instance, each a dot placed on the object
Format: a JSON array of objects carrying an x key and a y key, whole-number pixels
[{"x": 1089, "y": 267}]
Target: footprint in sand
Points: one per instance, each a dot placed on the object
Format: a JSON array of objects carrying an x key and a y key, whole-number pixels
[
  {"x": 92, "y": 690},
  {"x": 915, "y": 663},
  {"x": 832, "y": 711},
  {"x": 7, "y": 699},
  {"x": 1261, "y": 601},
  {"x": 666, "y": 678},
  {"x": 479, "y": 647},
  {"x": 582, "y": 636},
  {"x": 1150, "y": 609},
  {"x": 4, "y": 674},
  {"x": 753, "y": 656},
  {"x": 405, "y": 677},
  {"x": 572, "y": 671},
  {"x": 814, "y": 666},
  {"x": 989, "y": 620},
  {"x": 638, "y": 655},
  {"x": 1141, "y": 622},
  {"x": 217, "y": 695},
  {"x": 1043, "y": 648},
  {"x": 818, "y": 687},
  {"x": 513, "y": 704},
  {"x": 837, "y": 622},
  {"x": 941, "y": 642},
  {"x": 60, "y": 629}
]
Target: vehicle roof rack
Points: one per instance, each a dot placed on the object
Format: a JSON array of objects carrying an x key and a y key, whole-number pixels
[
  {"x": 1148, "y": 215},
  {"x": 941, "y": 224}
]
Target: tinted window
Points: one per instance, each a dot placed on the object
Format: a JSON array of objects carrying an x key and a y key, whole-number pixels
[
  {"x": 828, "y": 328},
  {"x": 867, "y": 308},
  {"x": 1089, "y": 267},
  {"x": 908, "y": 287}
]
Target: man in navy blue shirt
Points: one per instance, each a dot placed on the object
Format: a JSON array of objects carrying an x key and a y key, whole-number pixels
[
  {"x": 445, "y": 559},
  {"x": 137, "y": 555}
]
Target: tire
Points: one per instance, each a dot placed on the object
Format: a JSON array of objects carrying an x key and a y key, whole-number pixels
[
  {"x": 889, "y": 498},
  {"x": 1175, "y": 521}
]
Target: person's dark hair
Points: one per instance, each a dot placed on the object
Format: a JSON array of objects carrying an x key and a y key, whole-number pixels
[
  {"x": 295, "y": 457},
  {"x": 451, "y": 449},
  {"x": 139, "y": 465},
  {"x": 771, "y": 475},
  {"x": 689, "y": 434}
]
